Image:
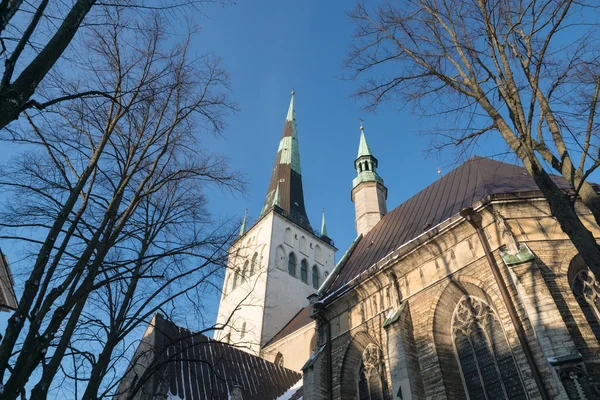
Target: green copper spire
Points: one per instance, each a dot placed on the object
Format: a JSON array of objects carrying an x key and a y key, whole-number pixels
[
  {"x": 243, "y": 227},
  {"x": 323, "y": 225},
  {"x": 366, "y": 164},
  {"x": 363, "y": 147}
]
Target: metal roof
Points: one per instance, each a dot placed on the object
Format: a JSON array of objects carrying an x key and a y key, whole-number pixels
[
  {"x": 196, "y": 367},
  {"x": 464, "y": 186},
  {"x": 301, "y": 319}
]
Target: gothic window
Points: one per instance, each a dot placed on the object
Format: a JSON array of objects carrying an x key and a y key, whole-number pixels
[
  {"x": 318, "y": 254},
  {"x": 279, "y": 360},
  {"x": 292, "y": 264},
  {"x": 253, "y": 264},
  {"x": 236, "y": 277},
  {"x": 279, "y": 257},
  {"x": 370, "y": 386},
  {"x": 225, "y": 284},
  {"x": 287, "y": 237},
  {"x": 315, "y": 277},
  {"x": 487, "y": 365},
  {"x": 244, "y": 271},
  {"x": 587, "y": 292},
  {"x": 303, "y": 249},
  {"x": 304, "y": 271}
]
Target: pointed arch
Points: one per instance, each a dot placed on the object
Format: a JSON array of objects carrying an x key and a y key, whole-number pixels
[
  {"x": 226, "y": 283},
  {"x": 303, "y": 246},
  {"x": 304, "y": 271},
  {"x": 287, "y": 237},
  {"x": 279, "y": 257},
  {"x": 487, "y": 366},
  {"x": 245, "y": 272},
  {"x": 279, "y": 360},
  {"x": 316, "y": 277},
  {"x": 363, "y": 364},
  {"x": 292, "y": 264},
  {"x": 586, "y": 290},
  {"x": 318, "y": 254},
  {"x": 236, "y": 277},
  {"x": 253, "y": 265}
]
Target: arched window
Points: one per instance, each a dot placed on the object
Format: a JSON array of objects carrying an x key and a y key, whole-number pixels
[
  {"x": 279, "y": 257},
  {"x": 586, "y": 290},
  {"x": 225, "y": 284},
  {"x": 370, "y": 386},
  {"x": 366, "y": 166},
  {"x": 304, "y": 271},
  {"x": 484, "y": 357},
  {"x": 243, "y": 332},
  {"x": 236, "y": 277},
  {"x": 303, "y": 248},
  {"x": 318, "y": 254},
  {"x": 316, "y": 278},
  {"x": 279, "y": 360},
  {"x": 244, "y": 272},
  {"x": 292, "y": 264},
  {"x": 253, "y": 264},
  {"x": 287, "y": 237}
]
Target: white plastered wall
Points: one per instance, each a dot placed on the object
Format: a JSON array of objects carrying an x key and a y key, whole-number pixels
[{"x": 268, "y": 299}]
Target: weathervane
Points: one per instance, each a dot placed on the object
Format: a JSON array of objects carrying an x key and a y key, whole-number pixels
[{"x": 361, "y": 124}]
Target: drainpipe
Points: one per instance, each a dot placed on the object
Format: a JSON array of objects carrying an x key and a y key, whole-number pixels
[
  {"x": 471, "y": 217},
  {"x": 319, "y": 308}
]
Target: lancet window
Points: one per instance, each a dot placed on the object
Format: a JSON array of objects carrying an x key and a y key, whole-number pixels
[
  {"x": 486, "y": 362},
  {"x": 292, "y": 264},
  {"x": 304, "y": 271},
  {"x": 370, "y": 385}
]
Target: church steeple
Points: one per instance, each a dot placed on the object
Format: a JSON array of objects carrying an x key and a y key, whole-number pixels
[
  {"x": 285, "y": 187},
  {"x": 368, "y": 192}
]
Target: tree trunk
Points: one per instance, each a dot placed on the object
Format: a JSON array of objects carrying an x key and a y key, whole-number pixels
[{"x": 564, "y": 212}]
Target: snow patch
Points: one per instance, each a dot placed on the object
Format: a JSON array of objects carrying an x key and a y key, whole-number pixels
[{"x": 291, "y": 391}]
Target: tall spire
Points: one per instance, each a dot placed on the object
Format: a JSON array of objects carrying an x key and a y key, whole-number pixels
[
  {"x": 323, "y": 225},
  {"x": 243, "y": 227},
  {"x": 368, "y": 192},
  {"x": 285, "y": 186},
  {"x": 366, "y": 164}
]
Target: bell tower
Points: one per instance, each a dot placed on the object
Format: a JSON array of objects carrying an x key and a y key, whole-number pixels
[
  {"x": 276, "y": 263},
  {"x": 369, "y": 195}
]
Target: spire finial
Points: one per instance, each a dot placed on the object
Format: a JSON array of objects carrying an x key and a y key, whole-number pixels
[
  {"x": 243, "y": 227},
  {"x": 362, "y": 128},
  {"x": 291, "y": 115},
  {"x": 323, "y": 224},
  {"x": 439, "y": 171}
]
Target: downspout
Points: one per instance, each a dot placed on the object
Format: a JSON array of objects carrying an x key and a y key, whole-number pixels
[
  {"x": 470, "y": 215},
  {"x": 325, "y": 322}
]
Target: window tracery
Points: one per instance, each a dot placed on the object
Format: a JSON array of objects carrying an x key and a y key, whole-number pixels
[
  {"x": 370, "y": 385},
  {"x": 486, "y": 362},
  {"x": 587, "y": 292}
]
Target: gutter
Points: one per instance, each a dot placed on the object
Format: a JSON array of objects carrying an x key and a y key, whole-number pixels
[{"x": 471, "y": 217}]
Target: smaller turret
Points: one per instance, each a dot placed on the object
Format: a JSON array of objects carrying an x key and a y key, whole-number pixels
[{"x": 369, "y": 194}]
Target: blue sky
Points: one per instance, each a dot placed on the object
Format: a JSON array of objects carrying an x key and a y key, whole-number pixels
[{"x": 270, "y": 47}]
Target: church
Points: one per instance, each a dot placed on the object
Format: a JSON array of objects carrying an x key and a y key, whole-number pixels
[{"x": 467, "y": 290}]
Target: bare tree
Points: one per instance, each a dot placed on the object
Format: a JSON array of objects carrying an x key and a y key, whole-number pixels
[
  {"x": 109, "y": 194},
  {"x": 526, "y": 70},
  {"x": 34, "y": 37}
]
